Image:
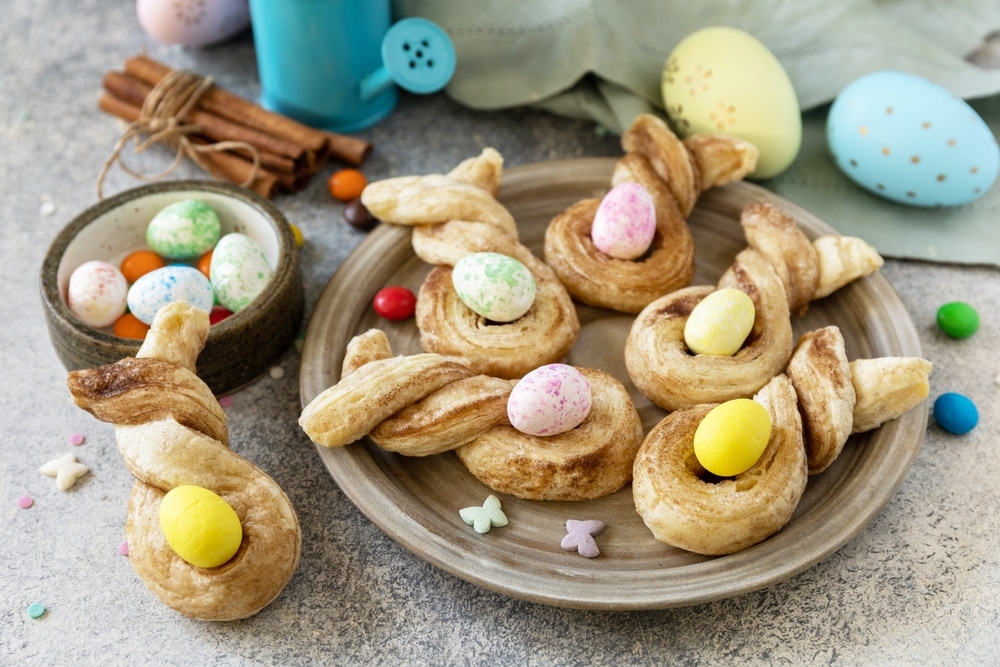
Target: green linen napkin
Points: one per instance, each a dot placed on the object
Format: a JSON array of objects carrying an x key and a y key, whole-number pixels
[{"x": 601, "y": 60}]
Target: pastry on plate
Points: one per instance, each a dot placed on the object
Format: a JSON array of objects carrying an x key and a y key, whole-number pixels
[
  {"x": 632, "y": 245},
  {"x": 455, "y": 215}
]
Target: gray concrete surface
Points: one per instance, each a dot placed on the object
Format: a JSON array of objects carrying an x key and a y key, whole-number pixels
[{"x": 920, "y": 585}]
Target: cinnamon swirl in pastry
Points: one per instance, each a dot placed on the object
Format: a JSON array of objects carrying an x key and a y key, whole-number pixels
[
  {"x": 781, "y": 271},
  {"x": 673, "y": 173},
  {"x": 427, "y": 404},
  {"x": 455, "y": 215}
]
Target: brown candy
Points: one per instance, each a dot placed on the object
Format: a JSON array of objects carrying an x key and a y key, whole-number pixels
[{"x": 358, "y": 216}]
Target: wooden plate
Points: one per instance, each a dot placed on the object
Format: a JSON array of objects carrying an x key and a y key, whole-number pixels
[{"x": 416, "y": 500}]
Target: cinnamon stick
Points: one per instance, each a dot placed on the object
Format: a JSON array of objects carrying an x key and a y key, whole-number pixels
[
  {"x": 319, "y": 144},
  {"x": 275, "y": 153},
  {"x": 221, "y": 164}
]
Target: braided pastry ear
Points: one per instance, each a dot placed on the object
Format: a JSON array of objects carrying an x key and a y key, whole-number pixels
[{"x": 171, "y": 431}]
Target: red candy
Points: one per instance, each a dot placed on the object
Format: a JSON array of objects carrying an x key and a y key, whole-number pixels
[
  {"x": 395, "y": 303},
  {"x": 218, "y": 314},
  {"x": 129, "y": 326}
]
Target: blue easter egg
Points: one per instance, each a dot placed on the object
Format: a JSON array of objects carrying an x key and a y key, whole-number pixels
[
  {"x": 175, "y": 282},
  {"x": 955, "y": 413},
  {"x": 911, "y": 141}
]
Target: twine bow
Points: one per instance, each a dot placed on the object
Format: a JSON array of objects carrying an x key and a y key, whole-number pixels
[{"x": 162, "y": 121}]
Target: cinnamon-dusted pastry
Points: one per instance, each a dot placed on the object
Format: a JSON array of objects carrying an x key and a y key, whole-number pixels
[
  {"x": 171, "y": 431},
  {"x": 813, "y": 409},
  {"x": 452, "y": 216},
  {"x": 426, "y": 404},
  {"x": 838, "y": 398},
  {"x": 674, "y": 173},
  {"x": 782, "y": 270},
  {"x": 687, "y": 508}
]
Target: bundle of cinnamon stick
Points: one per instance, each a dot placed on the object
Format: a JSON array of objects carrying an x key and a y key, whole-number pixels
[{"x": 289, "y": 152}]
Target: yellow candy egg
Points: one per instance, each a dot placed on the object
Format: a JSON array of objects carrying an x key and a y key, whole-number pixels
[
  {"x": 200, "y": 526},
  {"x": 732, "y": 436},
  {"x": 722, "y": 79},
  {"x": 720, "y": 323}
]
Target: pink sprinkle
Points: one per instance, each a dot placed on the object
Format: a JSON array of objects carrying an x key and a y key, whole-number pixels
[
  {"x": 76, "y": 439},
  {"x": 24, "y": 502},
  {"x": 123, "y": 548},
  {"x": 226, "y": 401}
]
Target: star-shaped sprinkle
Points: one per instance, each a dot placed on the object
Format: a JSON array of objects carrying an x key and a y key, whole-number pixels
[
  {"x": 580, "y": 536},
  {"x": 485, "y": 517},
  {"x": 66, "y": 469}
]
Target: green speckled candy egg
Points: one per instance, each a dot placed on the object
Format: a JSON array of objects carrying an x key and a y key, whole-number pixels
[
  {"x": 239, "y": 271},
  {"x": 184, "y": 230},
  {"x": 496, "y": 286}
]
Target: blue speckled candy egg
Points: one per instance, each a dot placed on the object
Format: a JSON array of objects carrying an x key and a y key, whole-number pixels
[
  {"x": 239, "y": 271},
  {"x": 496, "y": 286},
  {"x": 184, "y": 230},
  {"x": 911, "y": 141},
  {"x": 171, "y": 283}
]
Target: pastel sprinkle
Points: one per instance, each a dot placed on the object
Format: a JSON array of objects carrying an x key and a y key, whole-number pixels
[
  {"x": 24, "y": 502},
  {"x": 277, "y": 372},
  {"x": 76, "y": 439},
  {"x": 66, "y": 469},
  {"x": 580, "y": 536},
  {"x": 226, "y": 401},
  {"x": 36, "y": 609},
  {"x": 483, "y": 518},
  {"x": 123, "y": 548}
]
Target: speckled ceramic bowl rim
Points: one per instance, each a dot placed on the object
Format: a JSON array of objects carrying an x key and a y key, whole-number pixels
[{"x": 52, "y": 295}]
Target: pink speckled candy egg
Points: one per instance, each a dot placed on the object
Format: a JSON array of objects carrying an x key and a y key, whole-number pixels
[
  {"x": 549, "y": 400},
  {"x": 625, "y": 222},
  {"x": 97, "y": 293}
]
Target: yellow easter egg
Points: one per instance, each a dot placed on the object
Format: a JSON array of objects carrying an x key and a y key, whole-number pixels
[
  {"x": 732, "y": 436},
  {"x": 722, "y": 79},
  {"x": 200, "y": 526},
  {"x": 720, "y": 323}
]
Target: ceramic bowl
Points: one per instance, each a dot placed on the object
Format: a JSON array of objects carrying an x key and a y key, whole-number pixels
[{"x": 240, "y": 347}]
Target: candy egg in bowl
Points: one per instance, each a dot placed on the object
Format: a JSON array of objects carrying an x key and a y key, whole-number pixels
[{"x": 241, "y": 346}]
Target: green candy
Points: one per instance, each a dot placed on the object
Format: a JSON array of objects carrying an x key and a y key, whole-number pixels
[
  {"x": 184, "y": 230},
  {"x": 958, "y": 319}
]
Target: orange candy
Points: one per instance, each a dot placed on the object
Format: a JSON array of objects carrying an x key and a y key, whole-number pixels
[
  {"x": 130, "y": 326},
  {"x": 139, "y": 263},
  {"x": 347, "y": 184},
  {"x": 205, "y": 263}
]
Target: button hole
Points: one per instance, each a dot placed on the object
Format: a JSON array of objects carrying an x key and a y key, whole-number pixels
[
  {"x": 406, "y": 46},
  {"x": 430, "y": 63},
  {"x": 420, "y": 54},
  {"x": 424, "y": 43},
  {"x": 413, "y": 64}
]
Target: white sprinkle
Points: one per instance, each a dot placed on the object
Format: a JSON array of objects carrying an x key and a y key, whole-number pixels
[{"x": 277, "y": 372}]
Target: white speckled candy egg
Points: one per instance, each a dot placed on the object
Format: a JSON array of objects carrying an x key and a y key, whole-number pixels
[
  {"x": 720, "y": 323},
  {"x": 625, "y": 222},
  {"x": 496, "y": 286},
  {"x": 174, "y": 282},
  {"x": 97, "y": 293},
  {"x": 239, "y": 271},
  {"x": 911, "y": 141},
  {"x": 549, "y": 400},
  {"x": 722, "y": 79},
  {"x": 184, "y": 230}
]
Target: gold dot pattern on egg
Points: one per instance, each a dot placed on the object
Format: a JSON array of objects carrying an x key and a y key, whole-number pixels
[
  {"x": 915, "y": 159},
  {"x": 863, "y": 131},
  {"x": 888, "y": 110},
  {"x": 951, "y": 142},
  {"x": 974, "y": 170},
  {"x": 885, "y": 150},
  {"x": 926, "y": 125},
  {"x": 880, "y": 186},
  {"x": 941, "y": 178}
]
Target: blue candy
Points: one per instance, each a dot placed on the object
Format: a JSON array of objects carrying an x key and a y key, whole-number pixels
[{"x": 955, "y": 413}]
